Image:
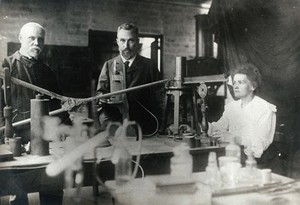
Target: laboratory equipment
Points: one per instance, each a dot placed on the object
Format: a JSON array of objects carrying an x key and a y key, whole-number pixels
[
  {"x": 212, "y": 171},
  {"x": 232, "y": 149},
  {"x": 182, "y": 161},
  {"x": 121, "y": 156},
  {"x": 185, "y": 101},
  {"x": 15, "y": 146},
  {"x": 266, "y": 176},
  {"x": 251, "y": 167},
  {"x": 250, "y": 174},
  {"x": 39, "y": 108},
  {"x": 7, "y": 111}
]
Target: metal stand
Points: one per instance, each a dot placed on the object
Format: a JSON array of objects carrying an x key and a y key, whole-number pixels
[
  {"x": 7, "y": 111},
  {"x": 39, "y": 108},
  {"x": 183, "y": 96}
]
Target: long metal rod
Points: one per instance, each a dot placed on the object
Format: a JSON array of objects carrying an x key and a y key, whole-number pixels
[
  {"x": 71, "y": 100},
  {"x": 26, "y": 121},
  {"x": 124, "y": 90},
  {"x": 81, "y": 100}
]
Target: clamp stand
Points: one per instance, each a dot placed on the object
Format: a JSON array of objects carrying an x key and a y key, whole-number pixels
[
  {"x": 7, "y": 111},
  {"x": 178, "y": 90},
  {"x": 182, "y": 95},
  {"x": 203, "y": 139}
]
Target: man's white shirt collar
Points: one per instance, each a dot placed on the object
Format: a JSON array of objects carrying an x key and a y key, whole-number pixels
[{"x": 130, "y": 60}]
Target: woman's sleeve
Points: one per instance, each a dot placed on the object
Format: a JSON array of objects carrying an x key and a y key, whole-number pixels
[
  {"x": 263, "y": 131},
  {"x": 222, "y": 124}
]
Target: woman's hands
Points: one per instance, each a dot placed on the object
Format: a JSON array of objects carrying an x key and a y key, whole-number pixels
[{"x": 225, "y": 136}]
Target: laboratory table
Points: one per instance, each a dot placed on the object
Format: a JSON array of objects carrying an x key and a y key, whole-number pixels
[
  {"x": 174, "y": 190},
  {"x": 27, "y": 172}
]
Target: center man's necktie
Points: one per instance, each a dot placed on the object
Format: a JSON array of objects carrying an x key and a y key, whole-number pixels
[{"x": 126, "y": 65}]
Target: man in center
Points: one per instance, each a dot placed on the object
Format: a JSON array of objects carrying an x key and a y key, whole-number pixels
[{"x": 129, "y": 69}]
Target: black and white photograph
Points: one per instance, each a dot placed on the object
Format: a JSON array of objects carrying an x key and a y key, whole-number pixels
[{"x": 149, "y": 102}]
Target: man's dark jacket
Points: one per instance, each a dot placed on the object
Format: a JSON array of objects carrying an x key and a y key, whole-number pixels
[
  {"x": 142, "y": 71},
  {"x": 31, "y": 71}
]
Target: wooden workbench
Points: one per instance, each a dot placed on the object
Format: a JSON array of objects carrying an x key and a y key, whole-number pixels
[{"x": 27, "y": 172}]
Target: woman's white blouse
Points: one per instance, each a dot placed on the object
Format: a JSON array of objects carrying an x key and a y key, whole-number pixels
[{"x": 254, "y": 123}]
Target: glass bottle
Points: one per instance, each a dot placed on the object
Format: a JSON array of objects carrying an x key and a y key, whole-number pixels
[
  {"x": 233, "y": 149},
  {"x": 213, "y": 178},
  {"x": 122, "y": 159},
  {"x": 250, "y": 174},
  {"x": 182, "y": 161},
  {"x": 251, "y": 165},
  {"x": 123, "y": 169}
]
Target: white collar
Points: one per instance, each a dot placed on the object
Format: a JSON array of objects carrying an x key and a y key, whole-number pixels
[
  {"x": 130, "y": 60},
  {"x": 248, "y": 104}
]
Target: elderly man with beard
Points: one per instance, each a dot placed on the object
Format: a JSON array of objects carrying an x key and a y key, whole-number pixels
[
  {"x": 25, "y": 65},
  {"x": 127, "y": 70}
]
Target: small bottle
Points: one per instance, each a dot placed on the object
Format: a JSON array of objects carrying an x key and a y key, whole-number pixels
[
  {"x": 213, "y": 178},
  {"x": 212, "y": 164},
  {"x": 233, "y": 149},
  {"x": 122, "y": 160},
  {"x": 251, "y": 165},
  {"x": 123, "y": 169},
  {"x": 182, "y": 161},
  {"x": 250, "y": 174}
]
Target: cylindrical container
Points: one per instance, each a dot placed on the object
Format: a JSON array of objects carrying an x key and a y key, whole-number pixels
[
  {"x": 224, "y": 160},
  {"x": 213, "y": 177},
  {"x": 266, "y": 175},
  {"x": 204, "y": 141},
  {"x": 230, "y": 174},
  {"x": 180, "y": 67},
  {"x": 181, "y": 162},
  {"x": 123, "y": 170},
  {"x": 39, "y": 108},
  {"x": 189, "y": 138},
  {"x": 197, "y": 141},
  {"x": 180, "y": 70},
  {"x": 7, "y": 113},
  {"x": 15, "y": 146},
  {"x": 233, "y": 150}
]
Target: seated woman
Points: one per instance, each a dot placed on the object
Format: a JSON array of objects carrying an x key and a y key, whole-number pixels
[{"x": 250, "y": 119}]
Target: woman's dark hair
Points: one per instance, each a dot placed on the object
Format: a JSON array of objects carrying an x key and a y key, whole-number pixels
[{"x": 251, "y": 72}]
